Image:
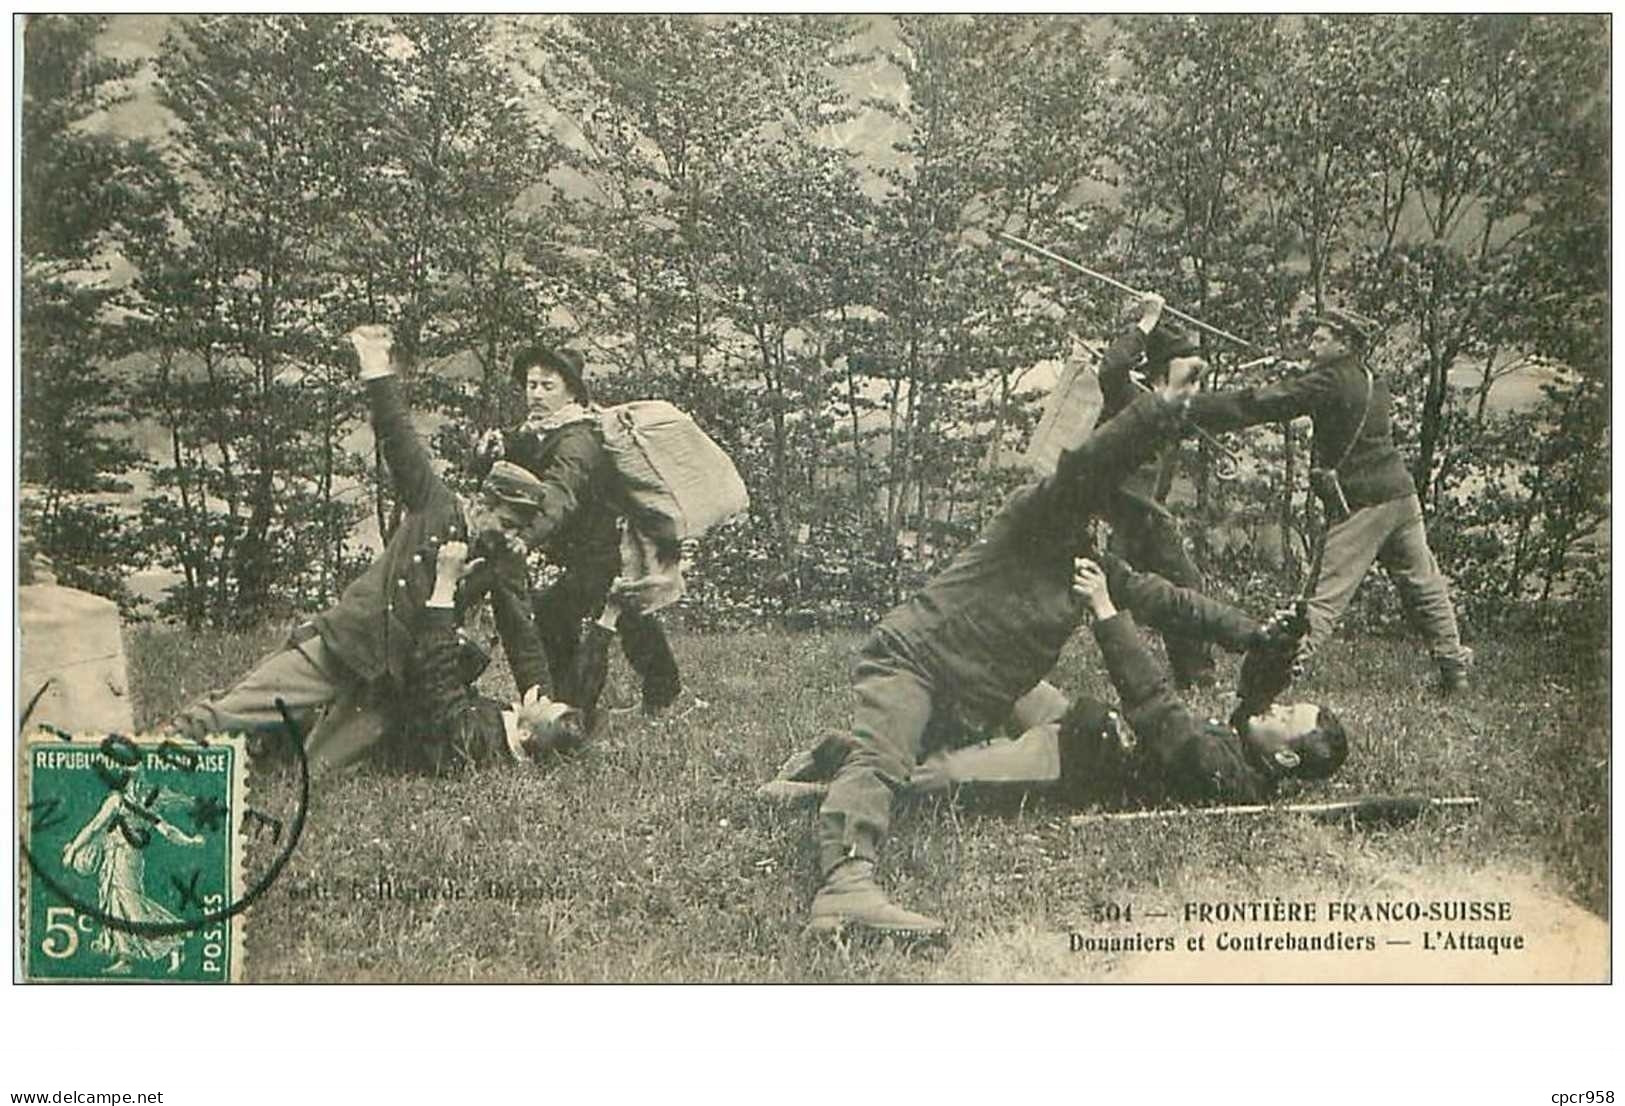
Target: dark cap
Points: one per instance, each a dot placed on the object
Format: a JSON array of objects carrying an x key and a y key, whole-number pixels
[
  {"x": 509, "y": 484},
  {"x": 1362, "y": 330},
  {"x": 566, "y": 362}
]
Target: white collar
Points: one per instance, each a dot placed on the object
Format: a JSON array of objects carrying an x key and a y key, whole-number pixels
[
  {"x": 570, "y": 412},
  {"x": 510, "y": 730}
]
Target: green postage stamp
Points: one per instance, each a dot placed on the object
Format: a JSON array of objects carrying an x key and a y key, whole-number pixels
[{"x": 132, "y": 864}]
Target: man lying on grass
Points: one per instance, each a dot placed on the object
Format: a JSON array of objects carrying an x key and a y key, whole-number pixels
[
  {"x": 1083, "y": 754},
  {"x": 454, "y": 722},
  {"x": 976, "y": 640},
  {"x": 356, "y": 658}
]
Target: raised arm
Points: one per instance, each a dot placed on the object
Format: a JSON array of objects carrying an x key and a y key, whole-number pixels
[
  {"x": 1196, "y": 764},
  {"x": 1085, "y": 475},
  {"x": 408, "y": 460},
  {"x": 454, "y": 708},
  {"x": 1117, "y": 387},
  {"x": 1170, "y": 609}
]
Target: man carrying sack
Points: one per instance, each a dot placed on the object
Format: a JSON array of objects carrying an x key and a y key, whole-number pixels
[{"x": 579, "y": 529}]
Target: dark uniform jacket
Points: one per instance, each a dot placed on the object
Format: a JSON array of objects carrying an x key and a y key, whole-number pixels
[
  {"x": 1117, "y": 391},
  {"x": 993, "y": 623},
  {"x": 1117, "y": 388},
  {"x": 1143, "y": 530},
  {"x": 1333, "y": 394},
  {"x": 371, "y": 628},
  {"x": 1194, "y": 759},
  {"x": 577, "y": 524},
  {"x": 451, "y": 722}
]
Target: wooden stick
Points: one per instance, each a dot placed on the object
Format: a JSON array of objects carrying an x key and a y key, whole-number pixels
[
  {"x": 1033, "y": 247},
  {"x": 1370, "y": 804}
]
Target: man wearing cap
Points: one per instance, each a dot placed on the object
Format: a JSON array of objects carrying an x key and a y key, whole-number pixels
[
  {"x": 1372, "y": 510},
  {"x": 976, "y": 640},
  {"x": 577, "y": 525},
  {"x": 1083, "y": 753},
  {"x": 354, "y": 659},
  {"x": 1143, "y": 530}
]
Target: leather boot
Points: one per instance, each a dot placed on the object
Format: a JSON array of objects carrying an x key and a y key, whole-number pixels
[
  {"x": 1453, "y": 675},
  {"x": 850, "y": 898}
]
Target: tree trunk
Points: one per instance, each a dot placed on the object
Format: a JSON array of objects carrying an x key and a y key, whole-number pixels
[
  {"x": 1432, "y": 429},
  {"x": 1289, "y": 476}
]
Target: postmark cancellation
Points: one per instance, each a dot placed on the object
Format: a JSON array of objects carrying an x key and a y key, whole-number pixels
[{"x": 133, "y": 856}]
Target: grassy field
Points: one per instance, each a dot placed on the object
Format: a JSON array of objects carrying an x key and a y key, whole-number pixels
[{"x": 647, "y": 859}]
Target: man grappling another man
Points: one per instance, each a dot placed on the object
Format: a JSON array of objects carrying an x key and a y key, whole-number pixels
[{"x": 980, "y": 637}]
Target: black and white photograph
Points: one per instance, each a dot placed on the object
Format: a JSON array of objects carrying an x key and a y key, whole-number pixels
[{"x": 813, "y": 499}]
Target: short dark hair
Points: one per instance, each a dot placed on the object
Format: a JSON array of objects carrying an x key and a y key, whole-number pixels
[
  {"x": 1321, "y": 751},
  {"x": 1167, "y": 341}
]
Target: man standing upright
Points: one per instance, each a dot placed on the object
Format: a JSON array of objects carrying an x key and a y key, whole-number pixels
[
  {"x": 578, "y": 525},
  {"x": 1372, "y": 510}
]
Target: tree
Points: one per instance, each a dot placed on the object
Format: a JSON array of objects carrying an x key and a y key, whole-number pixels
[
  {"x": 984, "y": 145},
  {"x": 1487, "y": 124},
  {"x": 77, "y": 188},
  {"x": 1202, "y": 222},
  {"x": 238, "y": 301},
  {"x": 785, "y": 225},
  {"x": 655, "y": 109},
  {"x": 440, "y": 222},
  {"x": 788, "y": 230}
]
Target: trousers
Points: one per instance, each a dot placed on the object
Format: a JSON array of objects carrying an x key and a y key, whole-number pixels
[
  {"x": 307, "y": 676},
  {"x": 894, "y": 702},
  {"x": 577, "y": 596},
  {"x": 1393, "y": 534}
]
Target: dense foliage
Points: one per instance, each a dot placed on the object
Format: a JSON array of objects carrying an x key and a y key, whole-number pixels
[{"x": 783, "y": 224}]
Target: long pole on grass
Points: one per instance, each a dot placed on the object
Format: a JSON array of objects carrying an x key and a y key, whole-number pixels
[{"x": 1389, "y": 806}]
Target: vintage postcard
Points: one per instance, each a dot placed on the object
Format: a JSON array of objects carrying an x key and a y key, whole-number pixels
[{"x": 804, "y": 498}]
